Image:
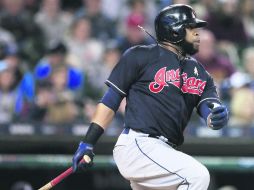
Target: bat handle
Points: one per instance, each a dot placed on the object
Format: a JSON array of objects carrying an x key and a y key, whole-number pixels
[
  {"x": 63, "y": 175},
  {"x": 86, "y": 159},
  {"x": 46, "y": 187}
]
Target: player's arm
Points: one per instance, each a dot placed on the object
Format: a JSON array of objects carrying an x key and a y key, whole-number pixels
[
  {"x": 120, "y": 80},
  {"x": 103, "y": 116}
]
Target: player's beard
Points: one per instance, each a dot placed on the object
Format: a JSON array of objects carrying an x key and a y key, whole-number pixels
[{"x": 188, "y": 48}]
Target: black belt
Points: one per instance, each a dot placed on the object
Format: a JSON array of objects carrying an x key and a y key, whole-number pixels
[{"x": 126, "y": 131}]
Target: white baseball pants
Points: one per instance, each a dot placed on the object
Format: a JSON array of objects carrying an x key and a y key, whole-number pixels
[{"x": 151, "y": 164}]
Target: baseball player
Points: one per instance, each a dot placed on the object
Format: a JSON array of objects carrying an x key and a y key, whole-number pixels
[{"x": 162, "y": 85}]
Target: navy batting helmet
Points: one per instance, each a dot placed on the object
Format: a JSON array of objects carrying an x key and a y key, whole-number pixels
[{"x": 171, "y": 22}]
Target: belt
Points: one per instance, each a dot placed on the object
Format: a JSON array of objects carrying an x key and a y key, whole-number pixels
[{"x": 162, "y": 138}]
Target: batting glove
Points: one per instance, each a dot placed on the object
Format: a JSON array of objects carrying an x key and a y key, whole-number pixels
[
  {"x": 218, "y": 117},
  {"x": 83, "y": 149}
]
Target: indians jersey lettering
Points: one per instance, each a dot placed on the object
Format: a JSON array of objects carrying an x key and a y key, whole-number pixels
[{"x": 163, "y": 78}]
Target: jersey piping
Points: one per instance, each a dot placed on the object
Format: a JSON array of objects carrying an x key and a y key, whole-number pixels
[{"x": 122, "y": 92}]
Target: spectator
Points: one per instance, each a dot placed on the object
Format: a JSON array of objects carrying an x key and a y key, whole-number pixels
[
  {"x": 56, "y": 55},
  {"x": 102, "y": 27},
  {"x": 24, "y": 78},
  {"x": 242, "y": 103},
  {"x": 63, "y": 109},
  {"x": 247, "y": 7},
  {"x": 81, "y": 44},
  {"x": 216, "y": 64},
  {"x": 86, "y": 49},
  {"x": 133, "y": 35},
  {"x": 244, "y": 78},
  {"x": 44, "y": 98},
  {"x": 55, "y": 103},
  {"x": 14, "y": 92},
  {"x": 112, "y": 9},
  {"x": 8, "y": 99},
  {"x": 53, "y": 21},
  {"x": 226, "y": 23},
  {"x": 203, "y": 7},
  {"x": 248, "y": 63},
  {"x": 19, "y": 22},
  {"x": 145, "y": 8}
]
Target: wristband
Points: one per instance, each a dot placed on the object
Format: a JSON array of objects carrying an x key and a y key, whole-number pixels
[{"x": 93, "y": 134}]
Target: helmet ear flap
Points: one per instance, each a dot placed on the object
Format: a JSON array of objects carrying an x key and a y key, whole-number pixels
[{"x": 177, "y": 34}]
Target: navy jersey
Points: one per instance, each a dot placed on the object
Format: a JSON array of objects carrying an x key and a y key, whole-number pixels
[{"x": 149, "y": 77}]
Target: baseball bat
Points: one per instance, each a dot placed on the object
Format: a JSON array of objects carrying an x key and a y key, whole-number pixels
[{"x": 63, "y": 175}]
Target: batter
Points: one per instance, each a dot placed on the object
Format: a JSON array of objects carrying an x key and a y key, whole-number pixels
[{"x": 162, "y": 85}]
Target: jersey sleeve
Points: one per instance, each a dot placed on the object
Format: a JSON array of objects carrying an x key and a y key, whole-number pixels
[
  {"x": 210, "y": 91},
  {"x": 124, "y": 73}
]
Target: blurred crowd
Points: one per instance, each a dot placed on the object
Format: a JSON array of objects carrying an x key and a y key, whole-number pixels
[{"x": 55, "y": 55}]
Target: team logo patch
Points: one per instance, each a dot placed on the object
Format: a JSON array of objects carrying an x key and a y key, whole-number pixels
[{"x": 163, "y": 78}]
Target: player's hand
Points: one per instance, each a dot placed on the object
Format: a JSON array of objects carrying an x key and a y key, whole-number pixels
[
  {"x": 218, "y": 117},
  {"x": 83, "y": 149}
]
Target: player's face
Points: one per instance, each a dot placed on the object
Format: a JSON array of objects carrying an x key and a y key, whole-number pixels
[
  {"x": 192, "y": 36},
  {"x": 191, "y": 43}
]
